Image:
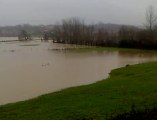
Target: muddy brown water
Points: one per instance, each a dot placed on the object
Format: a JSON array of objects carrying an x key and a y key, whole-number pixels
[{"x": 30, "y": 69}]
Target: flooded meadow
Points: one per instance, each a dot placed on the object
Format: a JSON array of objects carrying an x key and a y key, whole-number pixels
[{"x": 32, "y": 68}]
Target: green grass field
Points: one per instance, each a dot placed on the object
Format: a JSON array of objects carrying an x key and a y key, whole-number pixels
[{"x": 133, "y": 85}]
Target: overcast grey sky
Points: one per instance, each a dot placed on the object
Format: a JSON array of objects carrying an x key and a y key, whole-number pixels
[{"x": 132, "y": 12}]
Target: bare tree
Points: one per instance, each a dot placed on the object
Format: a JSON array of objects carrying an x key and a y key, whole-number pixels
[
  {"x": 24, "y": 35},
  {"x": 151, "y": 18}
]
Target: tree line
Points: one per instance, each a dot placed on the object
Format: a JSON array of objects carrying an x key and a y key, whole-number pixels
[{"x": 75, "y": 31}]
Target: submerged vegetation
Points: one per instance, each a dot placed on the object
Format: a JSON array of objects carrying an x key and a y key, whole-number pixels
[
  {"x": 128, "y": 86},
  {"x": 30, "y": 45},
  {"x": 102, "y": 49}
]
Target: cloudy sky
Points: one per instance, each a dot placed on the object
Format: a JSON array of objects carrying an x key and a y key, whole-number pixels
[{"x": 131, "y": 12}]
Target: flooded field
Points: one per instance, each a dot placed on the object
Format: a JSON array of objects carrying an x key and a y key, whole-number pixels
[{"x": 30, "y": 69}]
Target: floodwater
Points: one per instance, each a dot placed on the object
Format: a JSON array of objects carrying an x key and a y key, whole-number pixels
[{"x": 30, "y": 69}]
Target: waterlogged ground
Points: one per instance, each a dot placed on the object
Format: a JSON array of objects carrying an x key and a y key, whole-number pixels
[{"x": 29, "y": 69}]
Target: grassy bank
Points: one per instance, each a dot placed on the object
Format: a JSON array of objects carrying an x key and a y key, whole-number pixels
[
  {"x": 145, "y": 114},
  {"x": 134, "y": 85},
  {"x": 112, "y": 49}
]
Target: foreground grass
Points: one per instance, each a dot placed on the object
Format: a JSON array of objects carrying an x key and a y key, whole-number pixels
[
  {"x": 133, "y": 85},
  {"x": 146, "y": 114}
]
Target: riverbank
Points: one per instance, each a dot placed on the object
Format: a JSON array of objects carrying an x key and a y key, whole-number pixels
[
  {"x": 129, "y": 86},
  {"x": 102, "y": 49}
]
